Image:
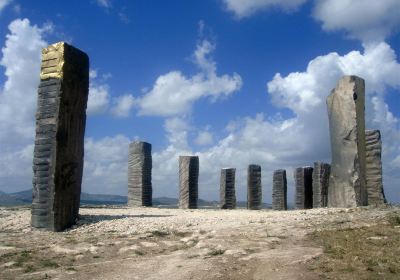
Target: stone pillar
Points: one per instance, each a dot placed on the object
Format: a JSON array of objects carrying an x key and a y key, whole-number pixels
[
  {"x": 139, "y": 174},
  {"x": 373, "y": 144},
  {"x": 188, "y": 181},
  {"x": 279, "y": 190},
  {"x": 347, "y": 186},
  {"x": 254, "y": 193},
  {"x": 303, "y": 182},
  {"x": 227, "y": 188},
  {"x": 60, "y": 129},
  {"x": 320, "y": 184}
]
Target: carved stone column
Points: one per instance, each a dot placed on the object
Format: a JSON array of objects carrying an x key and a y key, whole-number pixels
[
  {"x": 254, "y": 193},
  {"x": 188, "y": 181},
  {"x": 227, "y": 188},
  {"x": 279, "y": 190}
]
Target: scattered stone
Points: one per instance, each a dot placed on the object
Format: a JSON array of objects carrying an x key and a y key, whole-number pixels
[
  {"x": 227, "y": 188},
  {"x": 188, "y": 181},
  {"x": 303, "y": 183},
  {"x": 373, "y": 146},
  {"x": 320, "y": 184},
  {"x": 139, "y": 174},
  {"x": 279, "y": 190},
  {"x": 347, "y": 186},
  {"x": 254, "y": 192},
  {"x": 60, "y": 129}
]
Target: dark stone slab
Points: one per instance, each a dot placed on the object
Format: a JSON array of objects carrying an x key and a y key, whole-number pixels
[
  {"x": 320, "y": 184},
  {"x": 140, "y": 189},
  {"x": 60, "y": 129},
  {"x": 254, "y": 192},
  {"x": 227, "y": 188},
  {"x": 303, "y": 183},
  {"x": 279, "y": 190},
  {"x": 188, "y": 181}
]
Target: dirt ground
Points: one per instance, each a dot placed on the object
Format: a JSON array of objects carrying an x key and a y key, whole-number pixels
[{"x": 151, "y": 243}]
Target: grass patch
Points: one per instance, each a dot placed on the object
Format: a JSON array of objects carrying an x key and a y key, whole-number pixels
[
  {"x": 363, "y": 253},
  {"x": 49, "y": 264},
  {"x": 22, "y": 258},
  {"x": 29, "y": 268},
  {"x": 159, "y": 233},
  {"x": 216, "y": 252},
  {"x": 139, "y": 253}
]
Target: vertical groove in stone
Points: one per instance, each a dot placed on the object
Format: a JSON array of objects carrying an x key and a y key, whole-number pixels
[
  {"x": 139, "y": 174},
  {"x": 279, "y": 190},
  {"x": 254, "y": 192},
  {"x": 303, "y": 183},
  {"x": 373, "y": 146},
  {"x": 227, "y": 188},
  {"x": 320, "y": 184},
  {"x": 188, "y": 181},
  {"x": 59, "y": 140},
  {"x": 347, "y": 184}
]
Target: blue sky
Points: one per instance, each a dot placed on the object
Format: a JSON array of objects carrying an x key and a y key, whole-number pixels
[{"x": 235, "y": 82}]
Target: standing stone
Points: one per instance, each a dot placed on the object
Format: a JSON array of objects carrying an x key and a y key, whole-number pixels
[
  {"x": 254, "y": 194},
  {"x": 373, "y": 145},
  {"x": 347, "y": 186},
  {"x": 139, "y": 174},
  {"x": 320, "y": 184},
  {"x": 303, "y": 182},
  {"x": 279, "y": 190},
  {"x": 188, "y": 181},
  {"x": 60, "y": 129},
  {"x": 227, "y": 190}
]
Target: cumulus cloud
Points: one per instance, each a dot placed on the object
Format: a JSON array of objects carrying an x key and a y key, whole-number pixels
[
  {"x": 367, "y": 20},
  {"x": 122, "y": 105},
  {"x": 21, "y": 60},
  {"x": 174, "y": 93},
  {"x": 104, "y": 3},
  {"x": 244, "y": 8},
  {"x": 99, "y": 99},
  {"x": 204, "y": 138}
]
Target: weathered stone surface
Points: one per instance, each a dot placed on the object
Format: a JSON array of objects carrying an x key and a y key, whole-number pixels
[
  {"x": 347, "y": 186},
  {"x": 373, "y": 146},
  {"x": 320, "y": 184},
  {"x": 303, "y": 182},
  {"x": 254, "y": 193},
  {"x": 60, "y": 129},
  {"x": 139, "y": 174},
  {"x": 279, "y": 190},
  {"x": 227, "y": 188},
  {"x": 188, "y": 181}
]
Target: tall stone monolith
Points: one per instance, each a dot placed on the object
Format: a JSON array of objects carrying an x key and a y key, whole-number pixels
[
  {"x": 347, "y": 186},
  {"x": 254, "y": 193},
  {"x": 188, "y": 181},
  {"x": 320, "y": 184},
  {"x": 139, "y": 174},
  {"x": 227, "y": 188},
  {"x": 373, "y": 145},
  {"x": 303, "y": 183},
  {"x": 279, "y": 190},
  {"x": 60, "y": 129}
]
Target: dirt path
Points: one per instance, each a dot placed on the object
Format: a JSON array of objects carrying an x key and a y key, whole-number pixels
[{"x": 152, "y": 243}]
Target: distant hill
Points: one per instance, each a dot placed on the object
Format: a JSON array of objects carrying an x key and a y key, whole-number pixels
[{"x": 25, "y": 197}]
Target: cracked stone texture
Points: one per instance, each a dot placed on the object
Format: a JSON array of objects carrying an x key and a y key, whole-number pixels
[
  {"x": 60, "y": 129},
  {"x": 227, "y": 188},
  {"x": 254, "y": 193},
  {"x": 373, "y": 146},
  {"x": 188, "y": 181},
  {"x": 303, "y": 177},
  {"x": 320, "y": 184},
  {"x": 279, "y": 190},
  {"x": 140, "y": 189},
  {"x": 346, "y": 106}
]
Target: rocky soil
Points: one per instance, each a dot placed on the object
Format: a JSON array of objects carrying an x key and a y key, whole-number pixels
[{"x": 151, "y": 243}]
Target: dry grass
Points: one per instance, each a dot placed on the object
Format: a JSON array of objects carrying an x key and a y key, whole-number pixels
[{"x": 361, "y": 253}]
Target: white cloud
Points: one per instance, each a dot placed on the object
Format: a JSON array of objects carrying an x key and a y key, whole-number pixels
[
  {"x": 244, "y": 8},
  {"x": 122, "y": 105},
  {"x": 3, "y": 4},
  {"x": 104, "y": 3},
  {"x": 21, "y": 60},
  {"x": 99, "y": 99},
  {"x": 204, "y": 138},
  {"x": 174, "y": 94},
  {"x": 367, "y": 20}
]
